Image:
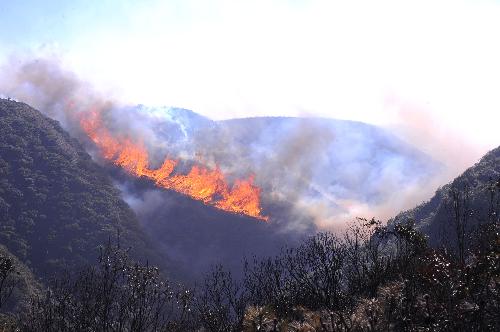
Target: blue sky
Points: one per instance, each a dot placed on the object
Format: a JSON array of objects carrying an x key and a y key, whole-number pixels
[{"x": 418, "y": 65}]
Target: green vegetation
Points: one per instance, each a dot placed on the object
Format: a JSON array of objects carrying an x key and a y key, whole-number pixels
[{"x": 56, "y": 205}]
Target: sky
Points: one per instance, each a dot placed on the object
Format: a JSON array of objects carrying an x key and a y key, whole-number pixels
[{"x": 430, "y": 70}]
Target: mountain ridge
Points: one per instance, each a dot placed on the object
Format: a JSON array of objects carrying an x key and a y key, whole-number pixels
[
  {"x": 431, "y": 216},
  {"x": 335, "y": 156},
  {"x": 56, "y": 204}
]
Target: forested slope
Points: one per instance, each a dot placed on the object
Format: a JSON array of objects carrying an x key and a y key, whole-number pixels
[
  {"x": 18, "y": 284},
  {"x": 466, "y": 202},
  {"x": 56, "y": 205}
]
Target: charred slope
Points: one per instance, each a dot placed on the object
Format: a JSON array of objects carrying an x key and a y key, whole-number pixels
[
  {"x": 197, "y": 237},
  {"x": 436, "y": 217},
  {"x": 56, "y": 205}
]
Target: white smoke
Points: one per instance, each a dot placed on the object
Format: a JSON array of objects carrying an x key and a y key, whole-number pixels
[{"x": 328, "y": 171}]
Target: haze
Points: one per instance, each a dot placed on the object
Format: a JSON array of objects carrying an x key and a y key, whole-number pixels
[{"x": 429, "y": 70}]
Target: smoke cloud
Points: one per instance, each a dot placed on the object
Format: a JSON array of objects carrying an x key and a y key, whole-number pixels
[
  {"x": 416, "y": 124},
  {"x": 324, "y": 170},
  {"x": 45, "y": 85}
]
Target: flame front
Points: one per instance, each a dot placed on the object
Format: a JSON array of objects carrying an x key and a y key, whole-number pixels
[{"x": 203, "y": 184}]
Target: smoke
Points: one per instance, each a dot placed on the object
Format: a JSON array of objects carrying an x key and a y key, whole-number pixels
[
  {"x": 46, "y": 85},
  {"x": 323, "y": 170},
  {"x": 327, "y": 171},
  {"x": 416, "y": 124}
]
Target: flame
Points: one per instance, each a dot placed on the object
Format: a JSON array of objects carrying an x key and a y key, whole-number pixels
[{"x": 200, "y": 183}]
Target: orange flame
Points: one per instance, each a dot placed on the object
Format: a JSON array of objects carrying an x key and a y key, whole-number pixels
[{"x": 203, "y": 184}]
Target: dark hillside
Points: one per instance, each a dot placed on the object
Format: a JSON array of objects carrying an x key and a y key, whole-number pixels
[
  {"x": 436, "y": 217},
  {"x": 199, "y": 236},
  {"x": 20, "y": 280},
  {"x": 56, "y": 205}
]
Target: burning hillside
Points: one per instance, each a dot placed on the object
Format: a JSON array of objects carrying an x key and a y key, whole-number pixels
[
  {"x": 200, "y": 183},
  {"x": 327, "y": 170}
]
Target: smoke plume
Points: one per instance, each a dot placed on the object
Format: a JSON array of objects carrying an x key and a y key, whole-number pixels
[{"x": 325, "y": 171}]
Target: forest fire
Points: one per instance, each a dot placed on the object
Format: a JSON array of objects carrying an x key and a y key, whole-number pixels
[{"x": 200, "y": 183}]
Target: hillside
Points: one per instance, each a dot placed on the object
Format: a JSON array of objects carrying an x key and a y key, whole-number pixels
[
  {"x": 433, "y": 217},
  {"x": 299, "y": 160},
  {"x": 198, "y": 236},
  {"x": 56, "y": 205},
  {"x": 303, "y": 166},
  {"x": 21, "y": 280},
  {"x": 370, "y": 278}
]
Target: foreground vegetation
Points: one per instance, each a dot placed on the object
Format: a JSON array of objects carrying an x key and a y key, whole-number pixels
[{"x": 372, "y": 278}]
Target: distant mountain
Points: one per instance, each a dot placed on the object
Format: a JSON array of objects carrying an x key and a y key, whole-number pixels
[
  {"x": 56, "y": 205},
  {"x": 435, "y": 216},
  {"x": 339, "y": 158},
  {"x": 295, "y": 159}
]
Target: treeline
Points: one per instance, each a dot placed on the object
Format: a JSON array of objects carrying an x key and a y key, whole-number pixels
[{"x": 371, "y": 278}]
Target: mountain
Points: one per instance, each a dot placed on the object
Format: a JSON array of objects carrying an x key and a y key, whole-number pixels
[
  {"x": 57, "y": 206},
  {"x": 298, "y": 160},
  {"x": 62, "y": 193},
  {"x": 295, "y": 161},
  {"x": 475, "y": 190},
  {"x": 344, "y": 156}
]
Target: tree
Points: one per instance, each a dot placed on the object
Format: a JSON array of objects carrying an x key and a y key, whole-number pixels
[
  {"x": 461, "y": 210},
  {"x": 7, "y": 282},
  {"x": 116, "y": 295},
  {"x": 222, "y": 302}
]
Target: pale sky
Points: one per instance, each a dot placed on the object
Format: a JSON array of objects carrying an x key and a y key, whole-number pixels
[{"x": 433, "y": 65}]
